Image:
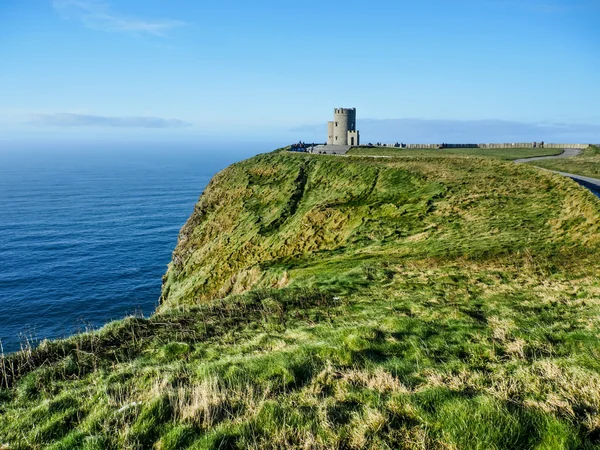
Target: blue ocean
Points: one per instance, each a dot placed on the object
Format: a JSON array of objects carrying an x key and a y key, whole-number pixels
[{"x": 86, "y": 233}]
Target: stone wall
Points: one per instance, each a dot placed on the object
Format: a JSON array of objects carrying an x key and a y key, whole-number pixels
[
  {"x": 353, "y": 138},
  {"x": 342, "y": 120},
  {"x": 505, "y": 145},
  {"x": 329, "y": 133}
]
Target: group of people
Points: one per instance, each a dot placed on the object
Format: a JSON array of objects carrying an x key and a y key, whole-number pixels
[
  {"x": 379, "y": 144},
  {"x": 300, "y": 147},
  {"x": 307, "y": 148}
]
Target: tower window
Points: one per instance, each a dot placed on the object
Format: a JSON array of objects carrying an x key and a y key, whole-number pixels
[{"x": 336, "y": 124}]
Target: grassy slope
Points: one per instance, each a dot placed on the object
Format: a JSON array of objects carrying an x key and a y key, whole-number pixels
[
  {"x": 501, "y": 153},
  {"x": 407, "y": 303},
  {"x": 586, "y": 164}
]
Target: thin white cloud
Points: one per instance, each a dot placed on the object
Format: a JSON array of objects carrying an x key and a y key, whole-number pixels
[
  {"x": 97, "y": 15},
  {"x": 86, "y": 120}
]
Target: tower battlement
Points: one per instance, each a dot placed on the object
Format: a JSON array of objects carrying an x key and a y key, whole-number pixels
[{"x": 344, "y": 110}]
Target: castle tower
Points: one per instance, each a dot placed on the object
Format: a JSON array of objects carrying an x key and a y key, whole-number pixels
[
  {"x": 342, "y": 131},
  {"x": 329, "y": 133}
]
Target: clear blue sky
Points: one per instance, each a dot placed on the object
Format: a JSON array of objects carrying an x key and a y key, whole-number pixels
[{"x": 275, "y": 69}]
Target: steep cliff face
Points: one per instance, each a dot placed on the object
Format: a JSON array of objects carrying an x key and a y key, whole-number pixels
[
  {"x": 259, "y": 213},
  {"x": 261, "y": 218}
]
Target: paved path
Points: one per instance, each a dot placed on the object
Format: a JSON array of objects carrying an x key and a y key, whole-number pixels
[
  {"x": 332, "y": 149},
  {"x": 567, "y": 153},
  {"x": 593, "y": 184}
]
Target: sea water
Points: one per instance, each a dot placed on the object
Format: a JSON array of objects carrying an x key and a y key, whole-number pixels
[{"x": 86, "y": 234}]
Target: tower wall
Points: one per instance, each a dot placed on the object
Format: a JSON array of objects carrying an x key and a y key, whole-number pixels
[
  {"x": 329, "y": 133},
  {"x": 352, "y": 119},
  {"x": 353, "y": 137},
  {"x": 343, "y": 119}
]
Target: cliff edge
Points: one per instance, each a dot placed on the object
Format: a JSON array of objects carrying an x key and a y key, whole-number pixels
[
  {"x": 262, "y": 219},
  {"x": 330, "y": 302}
]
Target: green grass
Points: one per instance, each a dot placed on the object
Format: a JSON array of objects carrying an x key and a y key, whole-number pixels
[
  {"x": 586, "y": 164},
  {"x": 500, "y": 153},
  {"x": 342, "y": 303}
]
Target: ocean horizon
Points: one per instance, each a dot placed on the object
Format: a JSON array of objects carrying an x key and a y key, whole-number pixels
[{"x": 86, "y": 236}]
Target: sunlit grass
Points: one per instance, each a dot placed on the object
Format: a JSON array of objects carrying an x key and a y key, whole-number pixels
[
  {"x": 341, "y": 303},
  {"x": 499, "y": 153}
]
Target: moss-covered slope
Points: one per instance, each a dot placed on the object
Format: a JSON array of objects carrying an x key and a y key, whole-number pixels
[
  {"x": 345, "y": 303},
  {"x": 262, "y": 217}
]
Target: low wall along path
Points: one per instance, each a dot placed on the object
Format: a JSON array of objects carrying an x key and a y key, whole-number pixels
[{"x": 343, "y": 149}]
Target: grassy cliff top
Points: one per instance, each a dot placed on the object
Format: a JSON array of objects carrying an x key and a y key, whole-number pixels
[
  {"x": 499, "y": 153},
  {"x": 328, "y": 302}
]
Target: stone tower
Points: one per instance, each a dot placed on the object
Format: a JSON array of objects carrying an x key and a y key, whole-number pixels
[{"x": 342, "y": 130}]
